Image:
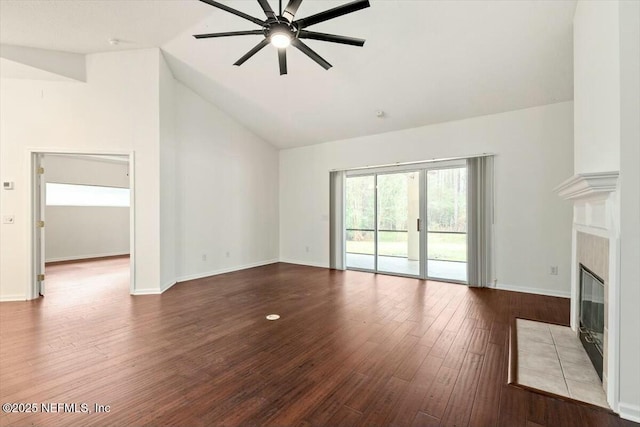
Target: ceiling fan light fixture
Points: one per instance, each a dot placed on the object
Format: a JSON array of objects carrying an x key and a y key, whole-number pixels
[
  {"x": 280, "y": 39},
  {"x": 279, "y": 35}
]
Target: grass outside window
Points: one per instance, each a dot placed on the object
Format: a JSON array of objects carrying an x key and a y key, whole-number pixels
[{"x": 444, "y": 247}]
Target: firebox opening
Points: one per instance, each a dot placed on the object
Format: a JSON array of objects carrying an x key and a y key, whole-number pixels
[{"x": 592, "y": 316}]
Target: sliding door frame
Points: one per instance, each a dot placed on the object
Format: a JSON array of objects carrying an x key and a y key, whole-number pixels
[
  {"x": 421, "y": 169},
  {"x": 455, "y": 164},
  {"x": 421, "y": 189},
  {"x": 375, "y": 222},
  {"x": 363, "y": 173}
]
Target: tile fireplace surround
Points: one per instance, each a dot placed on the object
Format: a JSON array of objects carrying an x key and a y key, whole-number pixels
[{"x": 595, "y": 243}]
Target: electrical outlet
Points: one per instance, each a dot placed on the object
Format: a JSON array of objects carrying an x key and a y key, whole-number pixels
[
  {"x": 553, "y": 270},
  {"x": 8, "y": 219}
]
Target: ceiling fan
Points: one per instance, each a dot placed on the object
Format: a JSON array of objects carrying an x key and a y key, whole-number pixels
[{"x": 281, "y": 30}]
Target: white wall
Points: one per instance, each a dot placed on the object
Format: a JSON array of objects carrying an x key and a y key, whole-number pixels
[
  {"x": 77, "y": 232},
  {"x": 534, "y": 153},
  {"x": 596, "y": 56},
  {"x": 116, "y": 110},
  {"x": 227, "y": 191},
  {"x": 168, "y": 152},
  {"x": 630, "y": 209},
  {"x": 81, "y": 232},
  {"x": 607, "y": 129}
]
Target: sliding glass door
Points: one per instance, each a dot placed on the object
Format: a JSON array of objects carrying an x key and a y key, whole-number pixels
[
  {"x": 360, "y": 222},
  {"x": 409, "y": 222},
  {"x": 398, "y": 210},
  {"x": 447, "y": 224}
]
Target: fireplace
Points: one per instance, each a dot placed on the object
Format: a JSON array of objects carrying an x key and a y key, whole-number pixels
[
  {"x": 591, "y": 316},
  {"x": 595, "y": 248}
]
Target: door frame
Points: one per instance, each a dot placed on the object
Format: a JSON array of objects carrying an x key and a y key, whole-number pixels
[
  {"x": 39, "y": 238},
  {"x": 36, "y": 243}
]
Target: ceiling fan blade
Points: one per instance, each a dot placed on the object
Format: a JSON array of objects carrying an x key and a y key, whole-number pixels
[
  {"x": 264, "y": 4},
  {"x": 304, "y": 34},
  {"x": 282, "y": 59},
  {"x": 234, "y": 11},
  {"x": 310, "y": 53},
  {"x": 252, "y": 52},
  {"x": 230, "y": 33},
  {"x": 332, "y": 13},
  {"x": 291, "y": 9}
]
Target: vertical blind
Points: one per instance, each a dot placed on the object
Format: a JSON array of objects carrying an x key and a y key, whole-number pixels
[
  {"x": 480, "y": 218},
  {"x": 337, "y": 250}
]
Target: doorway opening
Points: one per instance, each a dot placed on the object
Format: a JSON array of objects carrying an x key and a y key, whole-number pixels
[{"x": 83, "y": 215}]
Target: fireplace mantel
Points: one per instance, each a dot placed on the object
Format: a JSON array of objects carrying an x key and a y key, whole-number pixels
[{"x": 588, "y": 185}]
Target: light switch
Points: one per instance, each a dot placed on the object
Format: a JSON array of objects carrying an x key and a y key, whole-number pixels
[{"x": 7, "y": 185}]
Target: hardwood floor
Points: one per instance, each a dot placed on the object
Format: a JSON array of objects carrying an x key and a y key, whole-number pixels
[{"x": 350, "y": 349}]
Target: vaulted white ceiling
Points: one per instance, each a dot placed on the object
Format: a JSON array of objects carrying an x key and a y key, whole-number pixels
[{"x": 424, "y": 62}]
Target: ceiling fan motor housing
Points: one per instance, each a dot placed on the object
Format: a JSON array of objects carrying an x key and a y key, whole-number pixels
[{"x": 281, "y": 27}]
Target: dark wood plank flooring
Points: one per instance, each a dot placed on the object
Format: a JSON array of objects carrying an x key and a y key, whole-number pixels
[{"x": 350, "y": 349}]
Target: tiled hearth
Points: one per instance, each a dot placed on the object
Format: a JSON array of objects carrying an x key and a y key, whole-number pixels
[{"x": 551, "y": 358}]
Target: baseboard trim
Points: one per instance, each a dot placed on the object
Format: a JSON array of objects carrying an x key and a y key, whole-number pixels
[
  {"x": 16, "y": 297},
  {"x": 629, "y": 411},
  {"x": 530, "y": 290},
  {"x": 224, "y": 270},
  {"x": 500, "y": 286},
  {"x": 307, "y": 263},
  {"x": 96, "y": 257},
  {"x": 147, "y": 292},
  {"x": 167, "y": 285}
]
